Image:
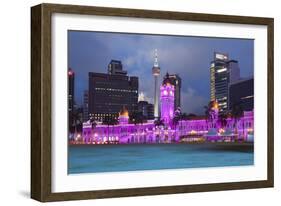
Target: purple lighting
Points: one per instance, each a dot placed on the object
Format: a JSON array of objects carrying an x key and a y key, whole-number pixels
[
  {"x": 167, "y": 103},
  {"x": 209, "y": 129}
]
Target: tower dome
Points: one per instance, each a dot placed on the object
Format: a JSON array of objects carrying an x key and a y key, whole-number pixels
[
  {"x": 123, "y": 116},
  {"x": 124, "y": 112},
  {"x": 167, "y": 79}
]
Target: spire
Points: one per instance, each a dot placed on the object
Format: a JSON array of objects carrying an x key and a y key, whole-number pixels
[{"x": 155, "y": 58}]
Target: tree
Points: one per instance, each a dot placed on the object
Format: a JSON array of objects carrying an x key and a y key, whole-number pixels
[
  {"x": 236, "y": 113},
  {"x": 176, "y": 119},
  {"x": 190, "y": 116},
  {"x": 210, "y": 112},
  {"x": 184, "y": 116},
  {"x": 159, "y": 122},
  {"x": 93, "y": 122},
  {"x": 223, "y": 119},
  {"x": 77, "y": 122}
]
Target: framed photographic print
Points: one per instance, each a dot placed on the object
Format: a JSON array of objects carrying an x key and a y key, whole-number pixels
[{"x": 130, "y": 102}]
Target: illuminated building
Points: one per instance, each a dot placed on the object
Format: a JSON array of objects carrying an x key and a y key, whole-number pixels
[
  {"x": 108, "y": 93},
  {"x": 156, "y": 73},
  {"x": 123, "y": 116},
  {"x": 175, "y": 80},
  {"x": 167, "y": 96},
  {"x": 148, "y": 132},
  {"x": 222, "y": 73},
  {"x": 197, "y": 129}
]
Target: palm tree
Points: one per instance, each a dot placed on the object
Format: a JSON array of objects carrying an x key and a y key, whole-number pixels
[
  {"x": 158, "y": 122},
  {"x": 208, "y": 112},
  {"x": 184, "y": 116},
  {"x": 190, "y": 116},
  {"x": 237, "y": 112},
  {"x": 175, "y": 122},
  {"x": 77, "y": 123},
  {"x": 223, "y": 119},
  {"x": 93, "y": 122}
]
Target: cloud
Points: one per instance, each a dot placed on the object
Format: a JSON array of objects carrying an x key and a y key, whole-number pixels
[
  {"x": 187, "y": 56},
  {"x": 192, "y": 102}
]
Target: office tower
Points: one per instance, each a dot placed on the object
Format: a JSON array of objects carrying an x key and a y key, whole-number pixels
[
  {"x": 175, "y": 80},
  {"x": 242, "y": 92},
  {"x": 222, "y": 72},
  {"x": 85, "y": 106},
  {"x": 167, "y": 101},
  {"x": 71, "y": 78},
  {"x": 150, "y": 111},
  {"x": 146, "y": 109},
  {"x": 156, "y": 73},
  {"x": 109, "y": 93},
  {"x": 234, "y": 71},
  {"x": 115, "y": 67}
]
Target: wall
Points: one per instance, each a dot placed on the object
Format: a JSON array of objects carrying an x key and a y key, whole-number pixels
[{"x": 15, "y": 102}]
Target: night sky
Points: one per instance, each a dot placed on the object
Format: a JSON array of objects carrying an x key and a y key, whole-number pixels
[{"x": 189, "y": 57}]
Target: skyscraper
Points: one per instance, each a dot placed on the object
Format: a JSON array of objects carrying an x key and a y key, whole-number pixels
[
  {"x": 71, "y": 77},
  {"x": 175, "y": 80},
  {"x": 109, "y": 93},
  {"x": 146, "y": 109},
  {"x": 116, "y": 67},
  {"x": 242, "y": 92},
  {"x": 222, "y": 72},
  {"x": 85, "y": 106},
  {"x": 156, "y": 73}
]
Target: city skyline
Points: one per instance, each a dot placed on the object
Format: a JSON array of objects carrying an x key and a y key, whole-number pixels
[{"x": 92, "y": 52}]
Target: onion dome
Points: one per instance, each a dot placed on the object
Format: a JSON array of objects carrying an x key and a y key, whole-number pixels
[
  {"x": 124, "y": 112},
  {"x": 215, "y": 104},
  {"x": 167, "y": 79}
]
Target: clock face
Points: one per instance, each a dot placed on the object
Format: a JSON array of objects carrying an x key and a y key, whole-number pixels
[{"x": 165, "y": 93}]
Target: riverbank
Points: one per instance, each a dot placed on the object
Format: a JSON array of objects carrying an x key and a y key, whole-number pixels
[{"x": 231, "y": 145}]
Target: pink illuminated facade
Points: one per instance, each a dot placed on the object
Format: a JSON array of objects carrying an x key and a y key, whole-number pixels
[
  {"x": 211, "y": 129},
  {"x": 167, "y": 98},
  {"x": 185, "y": 129}
]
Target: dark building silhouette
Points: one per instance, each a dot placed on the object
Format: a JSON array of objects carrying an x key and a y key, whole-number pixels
[
  {"x": 85, "y": 106},
  {"x": 109, "y": 93},
  {"x": 242, "y": 93},
  {"x": 71, "y": 78},
  {"x": 115, "y": 67},
  {"x": 175, "y": 80},
  {"x": 146, "y": 109}
]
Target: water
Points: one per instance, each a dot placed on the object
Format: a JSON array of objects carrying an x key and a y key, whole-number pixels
[{"x": 113, "y": 158}]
